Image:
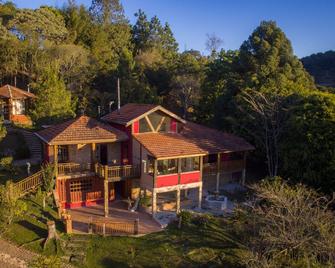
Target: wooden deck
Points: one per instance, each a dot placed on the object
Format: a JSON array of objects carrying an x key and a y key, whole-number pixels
[{"x": 117, "y": 212}]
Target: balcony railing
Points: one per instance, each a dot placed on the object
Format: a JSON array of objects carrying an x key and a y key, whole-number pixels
[
  {"x": 70, "y": 168},
  {"x": 112, "y": 173},
  {"x": 225, "y": 166},
  {"x": 115, "y": 173}
]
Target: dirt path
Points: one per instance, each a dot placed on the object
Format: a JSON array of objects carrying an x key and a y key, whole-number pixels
[{"x": 13, "y": 256}]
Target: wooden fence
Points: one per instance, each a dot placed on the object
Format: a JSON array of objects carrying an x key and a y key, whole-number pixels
[
  {"x": 30, "y": 183},
  {"x": 109, "y": 227}
]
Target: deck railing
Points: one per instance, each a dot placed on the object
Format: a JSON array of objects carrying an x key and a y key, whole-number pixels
[
  {"x": 110, "y": 227},
  {"x": 117, "y": 172},
  {"x": 225, "y": 166},
  {"x": 30, "y": 183},
  {"x": 68, "y": 168}
]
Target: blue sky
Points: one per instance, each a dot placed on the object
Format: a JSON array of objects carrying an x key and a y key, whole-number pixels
[{"x": 310, "y": 25}]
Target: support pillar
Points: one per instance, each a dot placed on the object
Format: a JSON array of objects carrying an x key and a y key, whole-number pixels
[
  {"x": 200, "y": 196},
  {"x": 154, "y": 202},
  {"x": 93, "y": 155},
  {"x": 186, "y": 193},
  {"x": 178, "y": 201},
  {"x": 218, "y": 173},
  {"x": 243, "y": 176},
  {"x": 56, "y": 160},
  {"x": 106, "y": 201}
]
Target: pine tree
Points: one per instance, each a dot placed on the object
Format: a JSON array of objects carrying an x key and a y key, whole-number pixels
[{"x": 54, "y": 101}]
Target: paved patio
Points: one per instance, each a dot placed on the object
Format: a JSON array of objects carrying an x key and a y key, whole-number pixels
[{"x": 118, "y": 212}]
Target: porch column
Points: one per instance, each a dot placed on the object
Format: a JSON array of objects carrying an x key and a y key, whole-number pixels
[
  {"x": 106, "y": 208},
  {"x": 200, "y": 196},
  {"x": 93, "y": 155},
  {"x": 154, "y": 202},
  {"x": 106, "y": 192},
  {"x": 10, "y": 109},
  {"x": 56, "y": 160},
  {"x": 244, "y": 167},
  {"x": 218, "y": 172},
  {"x": 178, "y": 201}
]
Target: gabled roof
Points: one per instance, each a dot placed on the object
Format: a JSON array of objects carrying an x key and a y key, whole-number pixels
[
  {"x": 10, "y": 92},
  {"x": 82, "y": 129},
  {"x": 214, "y": 141},
  {"x": 132, "y": 111},
  {"x": 168, "y": 145}
]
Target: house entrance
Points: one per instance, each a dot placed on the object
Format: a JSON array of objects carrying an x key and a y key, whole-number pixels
[
  {"x": 120, "y": 189},
  {"x": 103, "y": 154}
]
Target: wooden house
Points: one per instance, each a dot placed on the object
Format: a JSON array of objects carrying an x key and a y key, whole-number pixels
[
  {"x": 14, "y": 104},
  {"x": 139, "y": 146}
]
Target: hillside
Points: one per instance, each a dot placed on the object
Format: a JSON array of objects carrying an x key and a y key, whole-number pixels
[{"x": 322, "y": 67}]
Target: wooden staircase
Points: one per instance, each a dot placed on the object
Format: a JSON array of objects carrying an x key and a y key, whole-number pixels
[{"x": 30, "y": 183}]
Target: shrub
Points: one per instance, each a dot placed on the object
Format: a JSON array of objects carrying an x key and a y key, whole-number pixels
[
  {"x": 145, "y": 201},
  {"x": 186, "y": 217},
  {"x": 46, "y": 262},
  {"x": 202, "y": 220},
  {"x": 6, "y": 163},
  {"x": 11, "y": 206}
]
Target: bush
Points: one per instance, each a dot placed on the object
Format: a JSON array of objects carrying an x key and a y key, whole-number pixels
[
  {"x": 202, "y": 220},
  {"x": 46, "y": 262},
  {"x": 186, "y": 217},
  {"x": 145, "y": 201},
  {"x": 6, "y": 163}
]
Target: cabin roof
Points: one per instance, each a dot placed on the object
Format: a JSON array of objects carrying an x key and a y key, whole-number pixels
[
  {"x": 168, "y": 145},
  {"x": 10, "y": 92},
  {"x": 131, "y": 112},
  {"x": 82, "y": 129},
  {"x": 214, "y": 141}
]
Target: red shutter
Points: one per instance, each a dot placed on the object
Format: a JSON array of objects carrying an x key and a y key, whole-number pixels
[
  {"x": 173, "y": 125},
  {"x": 136, "y": 127}
]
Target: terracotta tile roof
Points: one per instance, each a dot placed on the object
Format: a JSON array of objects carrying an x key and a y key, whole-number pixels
[
  {"x": 128, "y": 113},
  {"x": 132, "y": 111},
  {"x": 80, "y": 130},
  {"x": 165, "y": 145},
  {"x": 8, "y": 91},
  {"x": 214, "y": 141}
]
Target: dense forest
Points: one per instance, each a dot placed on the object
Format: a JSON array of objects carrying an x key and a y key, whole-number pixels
[
  {"x": 322, "y": 67},
  {"x": 71, "y": 57}
]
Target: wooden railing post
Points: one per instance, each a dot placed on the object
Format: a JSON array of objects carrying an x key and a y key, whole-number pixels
[
  {"x": 136, "y": 226},
  {"x": 56, "y": 160}
]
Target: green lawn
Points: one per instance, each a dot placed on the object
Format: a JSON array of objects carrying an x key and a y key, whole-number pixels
[
  {"x": 192, "y": 246},
  {"x": 199, "y": 243},
  {"x": 31, "y": 229}
]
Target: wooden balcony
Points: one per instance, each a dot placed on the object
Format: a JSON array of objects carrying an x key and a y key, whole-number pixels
[
  {"x": 225, "y": 167},
  {"x": 112, "y": 173},
  {"x": 117, "y": 173}
]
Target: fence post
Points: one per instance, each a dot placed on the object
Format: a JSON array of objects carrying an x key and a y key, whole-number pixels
[
  {"x": 136, "y": 226},
  {"x": 104, "y": 229},
  {"x": 90, "y": 226},
  {"x": 68, "y": 224}
]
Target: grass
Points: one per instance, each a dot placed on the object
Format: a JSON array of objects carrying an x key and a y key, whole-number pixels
[
  {"x": 191, "y": 246},
  {"x": 31, "y": 229}
]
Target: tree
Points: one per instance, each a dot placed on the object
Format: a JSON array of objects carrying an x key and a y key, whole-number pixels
[
  {"x": 268, "y": 64},
  {"x": 54, "y": 101},
  {"x": 288, "y": 226},
  {"x": 263, "y": 119},
  {"x": 3, "y": 131},
  {"x": 308, "y": 152},
  {"x": 11, "y": 206},
  {"x": 213, "y": 43},
  {"x": 107, "y": 12},
  {"x": 44, "y": 23}
]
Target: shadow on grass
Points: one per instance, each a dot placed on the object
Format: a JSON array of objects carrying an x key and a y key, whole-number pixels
[
  {"x": 108, "y": 262},
  {"x": 34, "y": 228}
]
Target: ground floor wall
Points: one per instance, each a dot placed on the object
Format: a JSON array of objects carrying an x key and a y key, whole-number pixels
[{"x": 88, "y": 191}]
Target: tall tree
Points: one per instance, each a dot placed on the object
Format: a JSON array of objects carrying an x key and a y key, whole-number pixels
[
  {"x": 107, "y": 12},
  {"x": 54, "y": 101}
]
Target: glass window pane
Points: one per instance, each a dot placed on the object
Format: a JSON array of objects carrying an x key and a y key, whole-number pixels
[
  {"x": 168, "y": 166},
  {"x": 190, "y": 164},
  {"x": 144, "y": 127}
]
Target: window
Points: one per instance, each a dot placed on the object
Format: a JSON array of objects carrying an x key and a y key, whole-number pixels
[
  {"x": 168, "y": 166},
  {"x": 81, "y": 185},
  {"x": 151, "y": 165},
  {"x": 190, "y": 164},
  {"x": 63, "y": 153},
  {"x": 144, "y": 126}
]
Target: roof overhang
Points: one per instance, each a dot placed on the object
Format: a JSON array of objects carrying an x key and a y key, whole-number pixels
[{"x": 73, "y": 142}]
